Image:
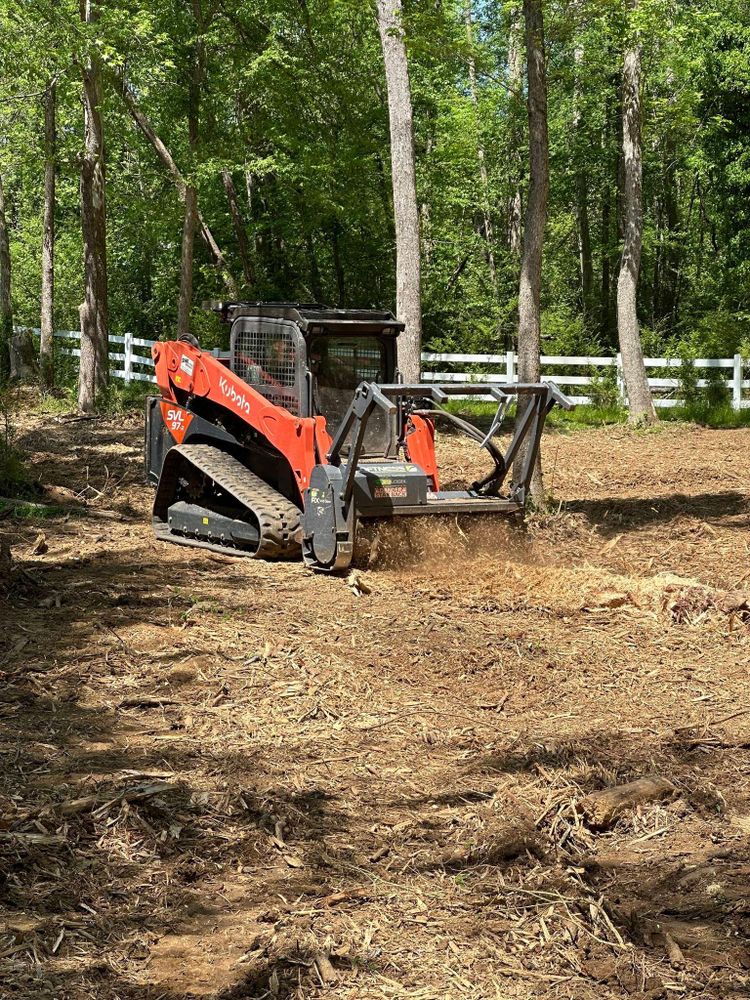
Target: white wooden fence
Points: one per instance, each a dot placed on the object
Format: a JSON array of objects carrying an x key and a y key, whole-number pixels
[
  {"x": 663, "y": 386},
  {"x": 134, "y": 355}
]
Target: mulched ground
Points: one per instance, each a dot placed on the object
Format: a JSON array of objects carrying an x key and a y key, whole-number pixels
[{"x": 228, "y": 779}]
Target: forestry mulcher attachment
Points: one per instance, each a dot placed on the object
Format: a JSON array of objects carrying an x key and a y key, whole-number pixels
[{"x": 305, "y": 429}]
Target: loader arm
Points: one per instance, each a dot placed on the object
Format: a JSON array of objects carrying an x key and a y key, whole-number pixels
[{"x": 187, "y": 375}]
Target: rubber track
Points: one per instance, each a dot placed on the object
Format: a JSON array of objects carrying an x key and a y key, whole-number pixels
[{"x": 278, "y": 518}]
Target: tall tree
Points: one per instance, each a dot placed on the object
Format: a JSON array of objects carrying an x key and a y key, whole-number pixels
[
  {"x": 487, "y": 225},
  {"x": 47, "y": 317},
  {"x": 94, "y": 370},
  {"x": 168, "y": 161},
  {"x": 582, "y": 180},
  {"x": 640, "y": 403},
  {"x": 515, "y": 84},
  {"x": 530, "y": 285},
  {"x": 190, "y": 220},
  {"x": 403, "y": 177},
  {"x": 6, "y": 306},
  {"x": 239, "y": 227}
]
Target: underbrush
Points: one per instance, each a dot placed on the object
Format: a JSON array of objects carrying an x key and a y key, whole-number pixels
[
  {"x": 482, "y": 413},
  {"x": 13, "y": 475},
  {"x": 117, "y": 398},
  {"x": 701, "y": 411},
  {"x": 708, "y": 414}
]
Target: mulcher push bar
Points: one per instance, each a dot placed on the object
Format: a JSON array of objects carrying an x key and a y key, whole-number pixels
[{"x": 540, "y": 398}]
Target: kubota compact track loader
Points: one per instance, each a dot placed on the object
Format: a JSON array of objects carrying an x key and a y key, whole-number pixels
[{"x": 305, "y": 429}]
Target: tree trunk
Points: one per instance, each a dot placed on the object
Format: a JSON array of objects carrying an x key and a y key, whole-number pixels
[
  {"x": 94, "y": 370},
  {"x": 488, "y": 228},
  {"x": 17, "y": 352},
  {"x": 582, "y": 205},
  {"x": 338, "y": 265},
  {"x": 161, "y": 150},
  {"x": 239, "y": 228},
  {"x": 529, "y": 294},
  {"x": 316, "y": 284},
  {"x": 6, "y": 307},
  {"x": 584, "y": 242},
  {"x": 47, "y": 318},
  {"x": 189, "y": 224},
  {"x": 403, "y": 178},
  {"x": 605, "y": 298},
  {"x": 666, "y": 300},
  {"x": 640, "y": 403},
  {"x": 515, "y": 83},
  {"x": 185, "y": 301}
]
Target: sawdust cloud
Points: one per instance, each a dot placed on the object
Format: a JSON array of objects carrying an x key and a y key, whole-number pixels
[{"x": 442, "y": 545}]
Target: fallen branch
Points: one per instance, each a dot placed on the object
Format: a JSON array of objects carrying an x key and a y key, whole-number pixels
[
  {"x": 325, "y": 969},
  {"x": 147, "y": 702},
  {"x": 38, "y": 839},
  {"x": 604, "y": 807},
  {"x": 20, "y": 502},
  {"x": 128, "y": 96},
  {"x": 75, "y": 420}
]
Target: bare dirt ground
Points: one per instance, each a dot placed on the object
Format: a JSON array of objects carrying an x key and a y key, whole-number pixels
[{"x": 226, "y": 779}]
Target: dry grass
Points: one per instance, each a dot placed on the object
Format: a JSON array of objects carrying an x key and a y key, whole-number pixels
[{"x": 225, "y": 779}]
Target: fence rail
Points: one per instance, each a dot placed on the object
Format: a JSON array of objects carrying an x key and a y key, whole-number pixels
[
  {"x": 133, "y": 360},
  {"x": 664, "y": 386}
]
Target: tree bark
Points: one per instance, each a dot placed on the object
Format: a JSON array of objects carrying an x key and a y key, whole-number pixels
[
  {"x": 584, "y": 242},
  {"x": 515, "y": 83},
  {"x": 189, "y": 225},
  {"x": 582, "y": 205},
  {"x": 338, "y": 265},
  {"x": 666, "y": 279},
  {"x": 17, "y": 352},
  {"x": 529, "y": 294},
  {"x": 239, "y": 228},
  {"x": 605, "y": 297},
  {"x": 190, "y": 221},
  {"x": 488, "y": 228},
  {"x": 161, "y": 150},
  {"x": 316, "y": 284},
  {"x": 47, "y": 317},
  {"x": 94, "y": 370},
  {"x": 403, "y": 178},
  {"x": 640, "y": 403},
  {"x": 6, "y": 306}
]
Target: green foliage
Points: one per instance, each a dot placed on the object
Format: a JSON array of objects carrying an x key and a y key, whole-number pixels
[
  {"x": 710, "y": 415},
  {"x": 13, "y": 475},
  {"x": 120, "y": 397},
  {"x": 604, "y": 391},
  {"x": 292, "y": 104},
  {"x": 565, "y": 333}
]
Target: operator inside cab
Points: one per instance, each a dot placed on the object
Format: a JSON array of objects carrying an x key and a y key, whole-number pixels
[{"x": 275, "y": 374}]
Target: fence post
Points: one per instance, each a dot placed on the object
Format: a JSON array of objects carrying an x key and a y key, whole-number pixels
[
  {"x": 128, "y": 352},
  {"x": 737, "y": 383},
  {"x": 510, "y": 366}
]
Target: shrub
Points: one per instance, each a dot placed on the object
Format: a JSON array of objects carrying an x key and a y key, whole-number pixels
[
  {"x": 13, "y": 479},
  {"x": 604, "y": 391},
  {"x": 565, "y": 334}
]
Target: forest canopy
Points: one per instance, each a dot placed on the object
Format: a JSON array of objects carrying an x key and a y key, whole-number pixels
[{"x": 275, "y": 112}]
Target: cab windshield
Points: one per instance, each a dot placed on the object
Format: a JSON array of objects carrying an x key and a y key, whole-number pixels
[{"x": 338, "y": 365}]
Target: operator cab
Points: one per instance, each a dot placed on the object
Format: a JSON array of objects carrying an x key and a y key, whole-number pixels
[{"x": 310, "y": 359}]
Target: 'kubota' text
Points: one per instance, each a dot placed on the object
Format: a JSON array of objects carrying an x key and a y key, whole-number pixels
[{"x": 237, "y": 398}]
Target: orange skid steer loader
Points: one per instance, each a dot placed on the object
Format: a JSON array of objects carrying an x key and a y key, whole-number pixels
[{"x": 305, "y": 429}]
